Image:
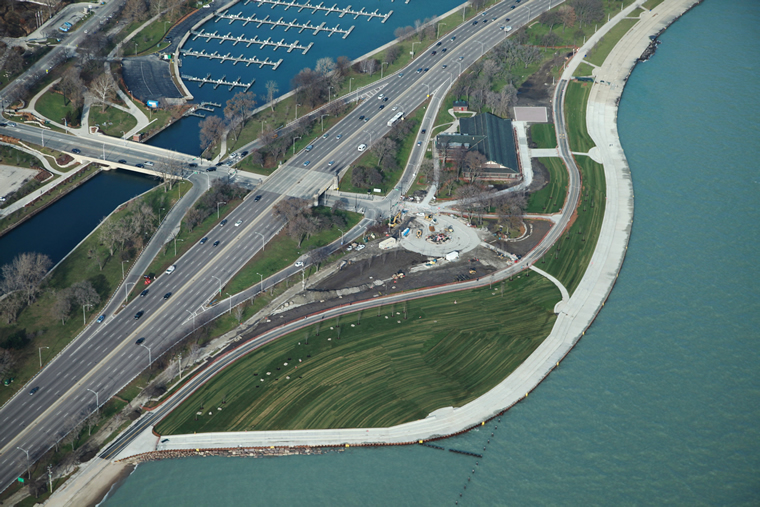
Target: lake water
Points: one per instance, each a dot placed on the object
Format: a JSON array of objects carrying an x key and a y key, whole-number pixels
[
  {"x": 366, "y": 36},
  {"x": 660, "y": 401},
  {"x": 57, "y": 229}
]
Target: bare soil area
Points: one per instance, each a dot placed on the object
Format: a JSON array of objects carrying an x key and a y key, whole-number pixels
[
  {"x": 537, "y": 90},
  {"x": 537, "y": 229}
]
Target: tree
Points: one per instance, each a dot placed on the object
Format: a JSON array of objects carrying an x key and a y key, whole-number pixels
[
  {"x": 7, "y": 362},
  {"x": 427, "y": 170},
  {"x": 238, "y": 312},
  {"x": 368, "y": 66},
  {"x": 392, "y": 54},
  {"x": 567, "y": 16},
  {"x": 14, "y": 63},
  {"x": 288, "y": 209},
  {"x": 238, "y": 109},
  {"x": 324, "y": 66},
  {"x": 474, "y": 162},
  {"x": 212, "y": 129},
  {"x": 588, "y": 11},
  {"x": 343, "y": 65},
  {"x": 135, "y": 10},
  {"x": 108, "y": 235},
  {"x": 272, "y": 89},
  {"x": 384, "y": 148},
  {"x": 10, "y": 304},
  {"x": 83, "y": 293},
  {"x": 62, "y": 305},
  {"x": 171, "y": 170},
  {"x": 25, "y": 274},
  {"x": 103, "y": 89},
  {"x": 72, "y": 86},
  {"x": 550, "y": 18}
]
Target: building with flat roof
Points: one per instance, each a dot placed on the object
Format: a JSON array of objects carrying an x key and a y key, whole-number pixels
[{"x": 489, "y": 135}]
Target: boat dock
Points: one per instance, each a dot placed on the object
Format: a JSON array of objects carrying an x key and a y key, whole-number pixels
[
  {"x": 341, "y": 11},
  {"x": 255, "y": 41},
  {"x": 235, "y": 59},
  {"x": 218, "y": 82},
  {"x": 286, "y": 24}
]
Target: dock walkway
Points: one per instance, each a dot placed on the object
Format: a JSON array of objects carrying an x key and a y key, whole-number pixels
[
  {"x": 254, "y": 41},
  {"x": 308, "y": 26},
  {"x": 341, "y": 11}
]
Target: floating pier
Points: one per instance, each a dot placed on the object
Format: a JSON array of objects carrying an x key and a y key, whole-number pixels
[
  {"x": 193, "y": 113},
  {"x": 286, "y": 24},
  {"x": 341, "y": 11},
  {"x": 236, "y": 39},
  {"x": 218, "y": 82},
  {"x": 235, "y": 59},
  {"x": 468, "y": 453}
]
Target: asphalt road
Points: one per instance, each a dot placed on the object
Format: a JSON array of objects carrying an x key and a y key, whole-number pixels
[{"x": 105, "y": 357}]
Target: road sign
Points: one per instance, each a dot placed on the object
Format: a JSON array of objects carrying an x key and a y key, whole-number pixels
[{"x": 20, "y": 479}]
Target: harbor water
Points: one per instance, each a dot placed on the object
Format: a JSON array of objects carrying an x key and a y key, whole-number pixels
[{"x": 660, "y": 401}]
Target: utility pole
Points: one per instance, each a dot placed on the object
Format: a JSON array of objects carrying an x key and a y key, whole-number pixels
[
  {"x": 150, "y": 358},
  {"x": 97, "y": 400},
  {"x": 28, "y": 475},
  {"x": 230, "y": 300},
  {"x": 193, "y": 315},
  {"x": 263, "y": 242},
  {"x": 50, "y": 477},
  {"x": 217, "y": 208},
  {"x": 84, "y": 316},
  {"x": 261, "y": 283},
  {"x": 179, "y": 365},
  {"x": 41, "y": 355},
  {"x": 220, "y": 283}
]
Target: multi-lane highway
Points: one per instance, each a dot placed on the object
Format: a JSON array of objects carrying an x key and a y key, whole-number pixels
[{"x": 106, "y": 357}]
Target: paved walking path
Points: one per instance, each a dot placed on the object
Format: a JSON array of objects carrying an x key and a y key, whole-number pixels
[
  {"x": 562, "y": 289},
  {"x": 575, "y": 316},
  {"x": 544, "y": 152}
]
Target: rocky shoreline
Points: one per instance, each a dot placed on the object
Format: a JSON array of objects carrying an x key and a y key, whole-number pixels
[{"x": 239, "y": 452}]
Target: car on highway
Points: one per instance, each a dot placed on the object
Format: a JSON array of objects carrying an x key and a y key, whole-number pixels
[
  {"x": 171, "y": 269},
  {"x": 167, "y": 295},
  {"x": 204, "y": 240},
  {"x": 307, "y": 163},
  {"x": 438, "y": 43},
  {"x": 474, "y": 22},
  {"x": 144, "y": 293},
  {"x": 426, "y": 69},
  {"x": 122, "y": 161},
  {"x": 210, "y": 169},
  {"x": 380, "y": 96},
  {"x": 444, "y": 66},
  {"x": 34, "y": 390},
  {"x": 506, "y": 20},
  {"x": 216, "y": 243},
  {"x": 139, "y": 341},
  {"x": 382, "y": 106},
  {"x": 331, "y": 162},
  {"x": 444, "y": 50},
  {"x": 511, "y": 6},
  {"x": 339, "y": 136},
  {"x": 385, "y": 99},
  {"x": 310, "y": 147},
  {"x": 461, "y": 58},
  {"x": 139, "y": 314},
  {"x": 485, "y": 21},
  {"x": 419, "y": 70},
  {"x": 434, "y": 53},
  {"x": 419, "y": 143},
  {"x": 149, "y": 163},
  {"x": 453, "y": 38},
  {"x": 367, "y": 119},
  {"x": 298, "y": 264},
  {"x": 361, "y": 117},
  {"x": 221, "y": 224},
  {"x": 101, "y": 318},
  {"x": 362, "y": 147},
  {"x": 257, "y": 198},
  {"x": 508, "y": 29},
  {"x": 394, "y": 108},
  {"x": 140, "y": 166},
  {"x": 76, "y": 150},
  {"x": 237, "y": 224}
]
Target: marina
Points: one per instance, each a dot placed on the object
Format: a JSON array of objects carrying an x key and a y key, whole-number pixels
[
  {"x": 229, "y": 58},
  {"x": 342, "y": 11},
  {"x": 286, "y": 24},
  {"x": 218, "y": 82},
  {"x": 255, "y": 41}
]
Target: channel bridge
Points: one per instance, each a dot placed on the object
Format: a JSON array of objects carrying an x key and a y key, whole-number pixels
[
  {"x": 248, "y": 42},
  {"x": 287, "y": 24},
  {"x": 342, "y": 11},
  {"x": 218, "y": 82},
  {"x": 228, "y": 57}
]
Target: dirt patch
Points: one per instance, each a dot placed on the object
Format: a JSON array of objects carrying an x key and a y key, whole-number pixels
[
  {"x": 540, "y": 176},
  {"x": 373, "y": 267},
  {"x": 537, "y": 90},
  {"x": 537, "y": 229}
]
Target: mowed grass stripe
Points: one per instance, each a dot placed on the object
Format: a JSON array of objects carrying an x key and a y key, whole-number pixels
[{"x": 380, "y": 372}]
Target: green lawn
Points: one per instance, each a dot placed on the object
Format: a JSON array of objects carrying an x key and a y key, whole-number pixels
[
  {"x": 543, "y": 135},
  {"x": 569, "y": 257},
  {"x": 602, "y": 48},
  {"x": 37, "y": 320},
  {"x": 282, "y": 251},
  {"x": 551, "y": 198},
  {"x": 52, "y": 105},
  {"x": 148, "y": 39},
  {"x": 651, "y": 4},
  {"x": 18, "y": 158},
  {"x": 584, "y": 70},
  {"x": 386, "y": 370},
  {"x": 576, "y": 100},
  {"x": 113, "y": 121}
]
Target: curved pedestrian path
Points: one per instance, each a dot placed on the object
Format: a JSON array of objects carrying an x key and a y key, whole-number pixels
[{"x": 562, "y": 289}]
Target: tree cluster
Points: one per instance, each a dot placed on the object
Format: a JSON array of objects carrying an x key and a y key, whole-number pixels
[
  {"x": 303, "y": 221},
  {"x": 69, "y": 300},
  {"x": 131, "y": 230},
  {"x": 386, "y": 151},
  {"x": 476, "y": 200},
  {"x": 220, "y": 192}
]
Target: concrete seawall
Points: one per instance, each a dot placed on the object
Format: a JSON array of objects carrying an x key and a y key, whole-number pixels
[{"x": 577, "y": 314}]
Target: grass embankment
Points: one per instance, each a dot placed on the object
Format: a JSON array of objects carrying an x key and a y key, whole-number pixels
[
  {"x": 54, "y": 106},
  {"x": 18, "y": 158},
  {"x": 551, "y": 198},
  {"x": 391, "y": 178},
  {"x": 651, "y": 4},
  {"x": 584, "y": 70},
  {"x": 386, "y": 370},
  {"x": 149, "y": 39},
  {"x": 543, "y": 135},
  {"x": 599, "y": 52},
  {"x": 577, "y": 99},
  {"x": 283, "y": 250},
  {"x": 36, "y": 326},
  {"x": 113, "y": 121}
]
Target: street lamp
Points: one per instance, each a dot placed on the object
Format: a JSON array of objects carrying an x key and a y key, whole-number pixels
[
  {"x": 230, "y": 300},
  {"x": 135, "y": 47},
  {"x": 97, "y": 402},
  {"x": 122, "y": 269},
  {"x": 175, "y": 244},
  {"x": 220, "y": 283},
  {"x": 350, "y": 82},
  {"x": 263, "y": 242},
  {"x": 294, "y": 144},
  {"x": 217, "y": 208},
  {"x": 41, "y": 355},
  {"x": 381, "y": 69},
  {"x": 322, "y": 119},
  {"x": 482, "y": 47},
  {"x": 370, "y": 136},
  {"x": 413, "y": 43},
  {"x": 159, "y": 214},
  {"x": 261, "y": 282},
  {"x": 341, "y": 236},
  {"x": 297, "y": 110},
  {"x": 28, "y": 476},
  {"x": 193, "y": 315},
  {"x": 329, "y": 94},
  {"x": 84, "y": 315},
  {"x": 150, "y": 357},
  {"x": 439, "y": 29},
  {"x": 126, "y": 291},
  {"x": 262, "y": 126},
  {"x": 428, "y": 88}
]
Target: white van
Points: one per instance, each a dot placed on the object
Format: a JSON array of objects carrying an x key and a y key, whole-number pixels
[
  {"x": 171, "y": 269},
  {"x": 362, "y": 147}
]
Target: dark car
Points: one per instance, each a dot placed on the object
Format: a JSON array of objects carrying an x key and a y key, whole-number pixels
[
  {"x": 474, "y": 22},
  {"x": 382, "y": 106},
  {"x": 144, "y": 293},
  {"x": 511, "y": 6},
  {"x": 443, "y": 50},
  {"x": 139, "y": 341},
  {"x": 385, "y": 99},
  {"x": 139, "y": 314},
  {"x": 167, "y": 295},
  {"x": 76, "y": 150},
  {"x": 219, "y": 163},
  {"x": 216, "y": 243},
  {"x": 426, "y": 69},
  {"x": 221, "y": 224},
  {"x": 204, "y": 240},
  {"x": 210, "y": 169},
  {"x": 485, "y": 21},
  {"x": 506, "y": 19},
  {"x": 192, "y": 164},
  {"x": 141, "y": 166},
  {"x": 439, "y": 43},
  {"x": 34, "y": 390},
  {"x": 243, "y": 154},
  {"x": 434, "y": 53},
  {"x": 419, "y": 70},
  {"x": 424, "y": 130},
  {"x": 361, "y": 117},
  {"x": 257, "y": 198},
  {"x": 122, "y": 161},
  {"x": 453, "y": 38}
]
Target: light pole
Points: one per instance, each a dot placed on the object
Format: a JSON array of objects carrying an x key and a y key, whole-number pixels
[
  {"x": 193, "y": 316},
  {"x": 341, "y": 236},
  {"x": 122, "y": 269},
  {"x": 350, "y": 82},
  {"x": 220, "y": 283},
  {"x": 28, "y": 476},
  {"x": 322, "y": 119},
  {"x": 294, "y": 144},
  {"x": 370, "y": 136},
  {"x": 126, "y": 291},
  {"x": 124, "y": 136},
  {"x": 413, "y": 43},
  {"x": 439, "y": 29},
  {"x": 159, "y": 214},
  {"x": 150, "y": 357},
  {"x": 175, "y": 244},
  {"x": 217, "y": 208},
  {"x": 263, "y": 243},
  {"x": 329, "y": 93},
  {"x": 381, "y": 69},
  {"x": 230, "y": 300},
  {"x": 41, "y": 355},
  {"x": 42, "y": 134},
  {"x": 84, "y": 315},
  {"x": 261, "y": 283},
  {"x": 97, "y": 401},
  {"x": 428, "y": 89},
  {"x": 297, "y": 110},
  {"x": 482, "y": 47},
  {"x": 135, "y": 47},
  {"x": 262, "y": 126},
  {"x": 208, "y": 182}
]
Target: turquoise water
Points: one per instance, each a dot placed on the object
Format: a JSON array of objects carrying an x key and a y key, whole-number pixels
[{"x": 660, "y": 401}]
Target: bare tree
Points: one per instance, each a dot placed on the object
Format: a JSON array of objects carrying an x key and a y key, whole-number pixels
[
  {"x": 212, "y": 129},
  {"x": 272, "y": 89},
  {"x": 7, "y": 362},
  {"x": 103, "y": 89},
  {"x": 25, "y": 274},
  {"x": 84, "y": 293},
  {"x": 135, "y": 10},
  {"x": 238, "y": 109},
  {"x": 10, "y": 304},
  {"x": 62, "y": 305},
  {"x": 324, "y": 66},
  {"x": 238, "y": 313}
]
